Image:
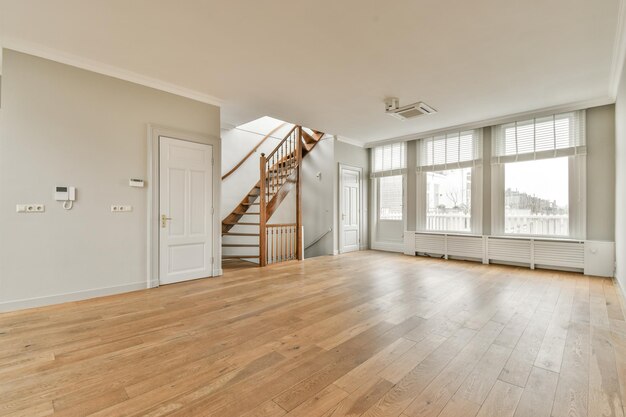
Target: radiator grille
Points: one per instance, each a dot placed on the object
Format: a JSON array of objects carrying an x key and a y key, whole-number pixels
[
  {"x": 509, "y": 250},
  {"x": 430, "y": 243},
  {"x": 465, "y": 246},
  {"x": 564, "y": 254}
]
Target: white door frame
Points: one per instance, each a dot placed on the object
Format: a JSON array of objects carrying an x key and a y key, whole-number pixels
[
  {"x": 154, "y": 133},
  {"x": 340, "y": 199}
]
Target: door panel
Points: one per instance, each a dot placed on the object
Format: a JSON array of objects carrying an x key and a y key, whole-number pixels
[
  {"x": 350, "y": 210},
  {"x": 186, "y": 199}
]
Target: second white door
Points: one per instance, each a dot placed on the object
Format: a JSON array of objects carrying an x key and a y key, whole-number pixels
[
  {"x": 349, "y": 221},
  {"x": 185, "y": 200}
]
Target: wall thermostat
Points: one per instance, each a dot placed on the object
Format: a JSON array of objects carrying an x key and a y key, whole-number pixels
[
  {"x": 65, "y": 194},
  {"x": 134, "y": 182}
]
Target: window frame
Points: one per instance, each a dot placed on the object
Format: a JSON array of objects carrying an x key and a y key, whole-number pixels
[
  {"x": 378, "y": 199},
  {"x": 476, "y": 212},
  {"x": 577, "y": 180}
]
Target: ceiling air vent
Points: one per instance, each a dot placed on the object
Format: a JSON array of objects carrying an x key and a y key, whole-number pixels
[{"x": 393, "y": 108}]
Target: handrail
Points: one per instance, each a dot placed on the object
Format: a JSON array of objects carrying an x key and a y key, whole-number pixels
[
  {"x": 268, "y": 157},
  {"x": 253, "y": 151},
  {"x": 330, "y": 229}
]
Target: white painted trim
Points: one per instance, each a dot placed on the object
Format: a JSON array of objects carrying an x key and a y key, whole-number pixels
[
  {"x": 619, "y": 51},
  {"x": 154, "y": 133},
  {"x": 581, "y": 105},
  {"x": 67, "y": 297},
  {"x": 361, "y": 204},
  {"x": 105, "y": 69},
  {"x": 349, "y": 141}
]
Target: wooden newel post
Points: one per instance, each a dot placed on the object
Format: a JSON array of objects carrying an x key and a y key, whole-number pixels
[
  {"x": 262, "y": 215},
  {"x": 299, "y": 234}
]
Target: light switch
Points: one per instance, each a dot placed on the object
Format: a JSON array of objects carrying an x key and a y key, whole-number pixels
[{"x": 121, "y": 208}]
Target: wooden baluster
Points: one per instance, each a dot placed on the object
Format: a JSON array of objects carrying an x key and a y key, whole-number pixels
[
  {"x": 299, "y": 249},
  {"x": 262, "y": 216}
]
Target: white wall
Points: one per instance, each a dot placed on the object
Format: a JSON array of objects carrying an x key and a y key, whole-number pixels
[
  {"x": 620, "y": 182},
  {"x": 317, "y": 198},
  {"x": 236, "y": 144},
  {"x": 60, "y": 125}
]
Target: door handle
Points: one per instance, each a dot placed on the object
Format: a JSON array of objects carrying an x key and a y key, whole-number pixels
[{"x": 164, "y": 220}]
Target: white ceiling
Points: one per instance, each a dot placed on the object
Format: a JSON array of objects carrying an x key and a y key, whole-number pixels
[{"x": 328, "y": 64}]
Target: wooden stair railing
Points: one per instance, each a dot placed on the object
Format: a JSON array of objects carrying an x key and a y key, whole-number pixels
[
  {"x": 280, "y": 172},
  {"x": 245, "y": 158}
]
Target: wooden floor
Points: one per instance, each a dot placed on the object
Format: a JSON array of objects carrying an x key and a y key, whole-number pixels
[{"x": 368, "y": 333}]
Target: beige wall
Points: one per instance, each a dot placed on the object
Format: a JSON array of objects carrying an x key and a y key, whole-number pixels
[
  {"x": 60, "y": 125},
  {"x": 620, "y": 182},
  {"x": 601, "y": 173}
]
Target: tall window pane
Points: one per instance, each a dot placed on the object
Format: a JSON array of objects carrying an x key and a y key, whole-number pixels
[
  {"x": 449, "y": 200},
  {"x": 537, "y": 197},
  {"x": 390, "y": 197}
]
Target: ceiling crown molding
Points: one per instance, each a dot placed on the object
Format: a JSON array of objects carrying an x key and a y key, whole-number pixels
[
  {"x": 105, "y": 69},
  {"x": 619, "y": 51},
  {"x": 350, "y": 141}
]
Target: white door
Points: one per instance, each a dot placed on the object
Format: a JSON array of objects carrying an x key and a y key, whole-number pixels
[
  {"x": 349, "y": 222},
  {"x": 185, "y": 201}
]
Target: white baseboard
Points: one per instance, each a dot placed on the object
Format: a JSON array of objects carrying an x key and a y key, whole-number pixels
[
  {"x": 73, "y": 296},
  {"x": 218, "y": 272},
  {"x": 388, "y": 246}
]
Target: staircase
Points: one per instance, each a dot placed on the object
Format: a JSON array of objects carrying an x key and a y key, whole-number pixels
[{"x": 279, "y": 174}]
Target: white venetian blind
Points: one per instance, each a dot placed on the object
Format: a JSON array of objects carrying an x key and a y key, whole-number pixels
[
  {"x": 540, "y": 138},
  {"x": 450, "y": 151},
  {"x": 388, "y": 160}
]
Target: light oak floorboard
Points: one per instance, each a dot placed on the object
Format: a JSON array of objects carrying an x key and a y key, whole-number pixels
[{"x": 362, "y": 334}]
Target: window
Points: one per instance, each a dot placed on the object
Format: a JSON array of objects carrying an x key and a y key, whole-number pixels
[
  {"x": 538, "y": 175},
  {"x": 451, "y": 150},
  {"x": 540, "y": 138},
  {"x": 449, "y": 200},
  {"x": 388, "y": 169},
  {"x": 536, "y": 197},
  {"x": 448, "y": 179},
  {"x": 389, "y": 159},
  {"x": 390, "y": 198}
]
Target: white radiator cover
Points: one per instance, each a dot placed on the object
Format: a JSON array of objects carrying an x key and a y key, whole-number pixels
[{"x": 593, "y": 258}]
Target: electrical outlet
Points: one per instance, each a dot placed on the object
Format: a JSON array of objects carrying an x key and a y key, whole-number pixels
[
  {"x": 121, "y": 208},
  {"x": 30, "y": 208}
]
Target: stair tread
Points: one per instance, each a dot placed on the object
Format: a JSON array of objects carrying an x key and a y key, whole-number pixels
[
  {"x": 240, "y": 245},
  {"x": 240, "y": 256},
  {"x": 242, "y": 223},
  {"x": 239, "y": 234}
]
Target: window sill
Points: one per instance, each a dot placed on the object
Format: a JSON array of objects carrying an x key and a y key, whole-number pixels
[
  {"x": 452, "y": 233},
  {"x": 536, "y": 237}
]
